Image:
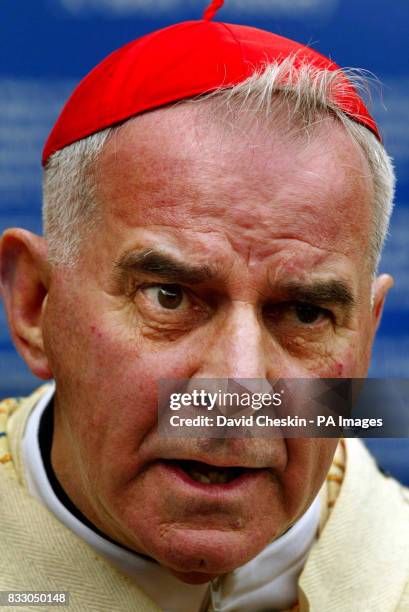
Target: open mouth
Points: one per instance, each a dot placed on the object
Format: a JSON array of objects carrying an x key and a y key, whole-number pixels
[{"x": 209, "y": 474}]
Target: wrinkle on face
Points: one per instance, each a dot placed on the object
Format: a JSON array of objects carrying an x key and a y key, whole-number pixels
[
  {"x": 256, "y": 221},
  {"x": 227, "y": 192},
  {"x": 285, "y": 213}
]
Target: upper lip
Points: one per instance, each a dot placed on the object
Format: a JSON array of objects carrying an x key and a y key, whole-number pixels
[
  {"x": 239, "y": 453},
  {"x": 212, "y": 463}
]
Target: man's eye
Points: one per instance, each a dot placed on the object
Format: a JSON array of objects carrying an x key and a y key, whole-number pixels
[
  {"x": 290, "y": 313},
  {"x": 308, "y": 313},
  {"x": 167, "y": 296}
]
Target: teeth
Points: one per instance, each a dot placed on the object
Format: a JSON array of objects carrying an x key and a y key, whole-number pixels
[
  {"x": 199, "y": 477},
  {"x": 213, "y": 476},
  {"x": 219, "y": 477}
]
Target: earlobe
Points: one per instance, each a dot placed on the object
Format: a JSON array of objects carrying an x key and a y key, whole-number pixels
[
  {"x": 380, "y": 288},
  {"x": 24, "y": 282}
]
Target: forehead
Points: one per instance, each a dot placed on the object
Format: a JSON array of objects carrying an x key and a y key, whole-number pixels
[{"x": 185, "y": 168}]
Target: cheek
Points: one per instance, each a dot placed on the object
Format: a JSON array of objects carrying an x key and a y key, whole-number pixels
[
  {"x": 114, "y": 353},
  {"x": 344, "y": 365},
  {"x": 339, "y": 368},
  {"x": 309, "y": 462},
  {"x": 340, "y": 363},
  {"x": 356, "y": 358},
  {"x": 105, "y": 368}
]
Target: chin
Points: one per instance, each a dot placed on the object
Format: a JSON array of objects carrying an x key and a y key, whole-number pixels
[{"x": 197, "y": 556}]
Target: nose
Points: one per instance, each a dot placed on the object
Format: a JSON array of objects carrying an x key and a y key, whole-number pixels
[{"x": 237, "y": 346}]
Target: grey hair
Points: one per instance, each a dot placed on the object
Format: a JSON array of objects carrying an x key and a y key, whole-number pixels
[{"x": 70, "y": 210}]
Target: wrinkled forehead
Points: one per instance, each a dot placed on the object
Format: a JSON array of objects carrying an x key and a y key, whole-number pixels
[
  {"x": 228, "y": 127},
  {"x": 192, "y": 166}
]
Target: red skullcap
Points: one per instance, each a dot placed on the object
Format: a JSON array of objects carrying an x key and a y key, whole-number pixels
[{"x": 178, "y": 62}]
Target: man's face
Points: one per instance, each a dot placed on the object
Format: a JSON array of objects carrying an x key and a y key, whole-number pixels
[{"x": 219, "y": 253}]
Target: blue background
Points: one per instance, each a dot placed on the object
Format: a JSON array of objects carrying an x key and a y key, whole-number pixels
[{"x": 47, "y": 46}]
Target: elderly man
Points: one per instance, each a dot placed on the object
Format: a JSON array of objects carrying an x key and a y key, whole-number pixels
[{"x": 215, "y": 203}]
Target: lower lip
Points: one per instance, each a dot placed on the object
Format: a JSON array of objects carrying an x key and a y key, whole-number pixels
[{"x": 246, "y": 479}]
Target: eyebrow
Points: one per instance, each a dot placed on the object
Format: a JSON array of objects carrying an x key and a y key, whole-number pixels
[
  {"x": 170, "y": 269},
  {"x": 163, "y": 266},
  {"x": 321, "y": 292}
]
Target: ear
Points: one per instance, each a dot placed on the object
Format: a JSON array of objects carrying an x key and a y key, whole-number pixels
[
  {"x": 380, "y": 288},
  {"x": 24, "y": 282}
]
